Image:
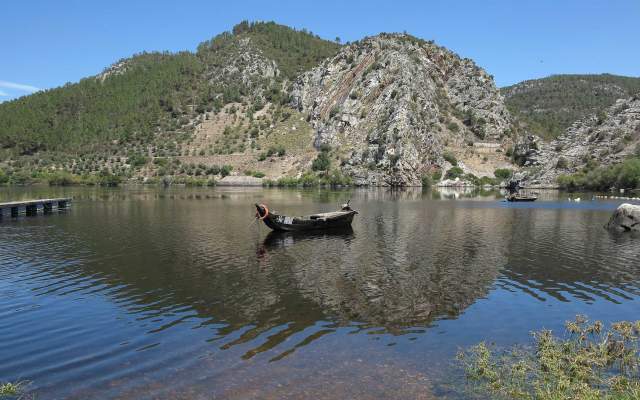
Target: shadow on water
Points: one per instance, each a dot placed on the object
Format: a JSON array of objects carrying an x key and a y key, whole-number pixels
[{"x": 276, "y": 239}]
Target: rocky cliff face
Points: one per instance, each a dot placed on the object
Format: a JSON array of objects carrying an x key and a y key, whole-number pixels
[
  {"x": 390, "y": 104},
  {"x": 603, "y": 139}
]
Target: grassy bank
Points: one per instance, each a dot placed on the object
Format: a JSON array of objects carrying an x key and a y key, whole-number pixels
[{"x": 589, "y": 362}]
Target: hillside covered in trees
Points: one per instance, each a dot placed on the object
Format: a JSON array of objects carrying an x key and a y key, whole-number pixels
[
  {"x": 160, "y": 93},
  {"x": 148, "y": 107},
  {"x": 550, "y": 105}
]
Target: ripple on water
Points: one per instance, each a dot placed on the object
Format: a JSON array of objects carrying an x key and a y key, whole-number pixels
[{"x": 162, "y": 295}]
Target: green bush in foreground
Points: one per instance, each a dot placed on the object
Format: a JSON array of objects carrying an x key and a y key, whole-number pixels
[
  {"x": 591, "y": 363},
  {"x": 10, "y": 389}
]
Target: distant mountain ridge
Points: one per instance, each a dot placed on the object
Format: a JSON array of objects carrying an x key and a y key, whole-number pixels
[
  {"x": 548, "y": 106},
  {"x": 600, "y": 140}
]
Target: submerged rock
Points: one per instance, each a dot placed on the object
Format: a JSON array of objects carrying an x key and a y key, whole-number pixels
[{"x": 625, "y": 218}]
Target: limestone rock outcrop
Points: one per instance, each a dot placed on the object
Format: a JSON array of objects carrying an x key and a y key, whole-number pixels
[
  {"x": 603, "y": 139},
  {"x": 389, "y": 104},
  {"x": 625, "y": 218}
]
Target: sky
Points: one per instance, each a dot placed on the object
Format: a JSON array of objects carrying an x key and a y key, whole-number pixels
[{"x": 45, "y": 44}]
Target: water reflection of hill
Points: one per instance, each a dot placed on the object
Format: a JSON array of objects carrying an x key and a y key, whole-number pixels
[{"x": 409, "y": 261}]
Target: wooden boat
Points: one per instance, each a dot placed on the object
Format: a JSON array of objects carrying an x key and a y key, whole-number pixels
[
  {"x": 514, "y": 193},
  {"x": 331, "y": 220},
  {"x": 520, "y": 197}
]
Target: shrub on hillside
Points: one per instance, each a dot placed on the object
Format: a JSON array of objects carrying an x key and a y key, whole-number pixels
[
  {"x": 450, "y": 158},
  {"x": 453, "y": 173},
  {"x": 322, "y": 161},
  {"x": 503, "y": 173},
  {"x": 225, "y": 170},
  {"x": 4, "y": 178},
  {"x": 426, "y": 181}
]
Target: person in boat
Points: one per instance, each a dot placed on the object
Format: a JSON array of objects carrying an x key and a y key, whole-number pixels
[
  {"x": 513, "y": 187},
  {"x": 514, "y": 193}
]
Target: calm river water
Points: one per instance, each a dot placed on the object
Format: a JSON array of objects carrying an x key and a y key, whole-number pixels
[{"x": 150, "y": 293}]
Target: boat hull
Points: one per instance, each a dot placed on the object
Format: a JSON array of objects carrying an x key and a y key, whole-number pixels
[
  {"x": 323, "y": 221},
  {"x": 293, "y": 224},
  {"x": 522, "y": 199}
]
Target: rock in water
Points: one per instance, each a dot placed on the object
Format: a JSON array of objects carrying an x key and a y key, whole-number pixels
[{"x": 625, "y": 218}]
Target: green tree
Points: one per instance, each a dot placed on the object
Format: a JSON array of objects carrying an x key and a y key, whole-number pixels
[
  {"x": 454, "y": 172},
  {"x": 503, "y": 173},
  {"x": 322, "y": 161}
]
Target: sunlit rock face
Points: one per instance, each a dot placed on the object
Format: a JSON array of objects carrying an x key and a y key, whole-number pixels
[
  {"x": 391, "y": 103},
  {"x": 598, "y": 140}
]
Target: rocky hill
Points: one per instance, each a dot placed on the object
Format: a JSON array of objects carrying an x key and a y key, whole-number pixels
[
  {"x": 548, "y": 106},
  {"x": 392, "y": 104},
  {"x": 599, "y": 140},
  {"x": 267, "y": 100}
]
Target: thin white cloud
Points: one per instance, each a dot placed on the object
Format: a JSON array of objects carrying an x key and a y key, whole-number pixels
[
  {"x": 18, "y": 86},
  {"x": 3, "y": 93}
]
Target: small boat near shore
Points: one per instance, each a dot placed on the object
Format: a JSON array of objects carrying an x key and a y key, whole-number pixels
[
  {"x": 330, "y": 220},
  {"x": 520, "y": 197},
  {"x": 514, "y": 193}
]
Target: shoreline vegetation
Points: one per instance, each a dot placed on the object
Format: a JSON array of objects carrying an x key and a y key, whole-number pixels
[
  {"x": 588, "y": 362},
  {"x": 208, "y": 176},
  {"x": 625, "y": 175}
]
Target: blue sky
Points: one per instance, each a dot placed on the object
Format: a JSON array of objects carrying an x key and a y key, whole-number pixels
[{"x": 48, "y": 43}]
